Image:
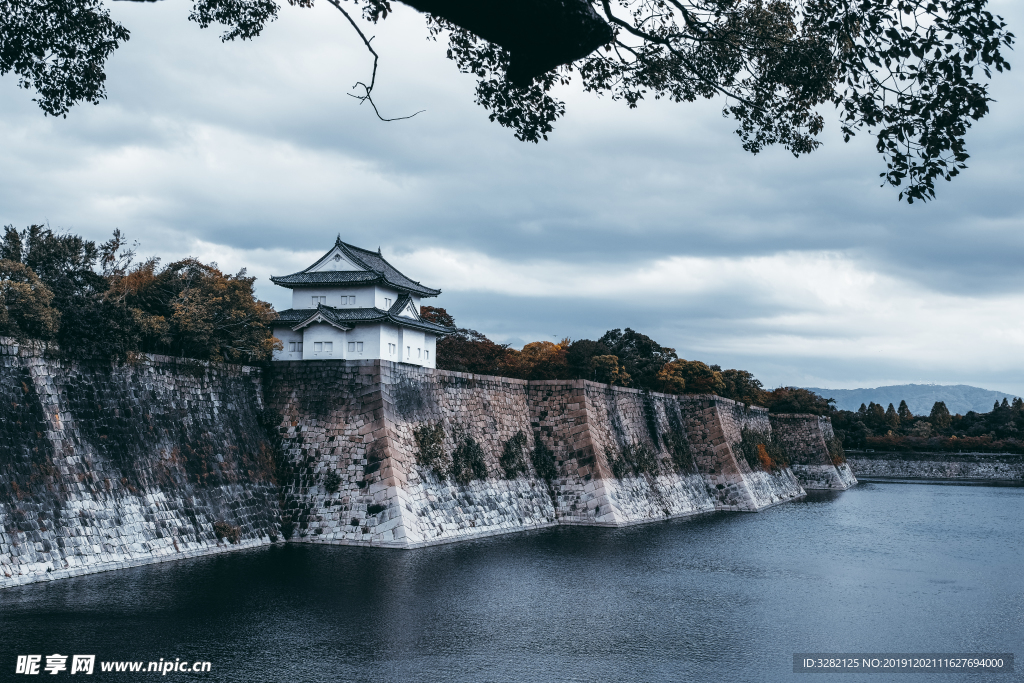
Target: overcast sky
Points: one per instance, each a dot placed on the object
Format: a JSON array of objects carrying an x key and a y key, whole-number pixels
[{"x": 803, "y": 271}]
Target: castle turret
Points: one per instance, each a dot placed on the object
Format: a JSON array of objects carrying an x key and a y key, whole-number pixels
[{"x": 353, "y": 304}]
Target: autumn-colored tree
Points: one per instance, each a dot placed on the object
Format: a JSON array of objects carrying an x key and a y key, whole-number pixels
[
  {"x": 77, "y": 272},
  {"x": 465, "y": 350},
  {"x": 538, "y": 360},
  {"x": 195, "y": 310},
  {"x": 689, "y": 376},
  {"x": 608, "y": 371},
  {"x": 25, "y": 304}
]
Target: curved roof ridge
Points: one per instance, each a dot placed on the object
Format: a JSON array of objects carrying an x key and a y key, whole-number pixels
[{"x": 374, "y": 263}]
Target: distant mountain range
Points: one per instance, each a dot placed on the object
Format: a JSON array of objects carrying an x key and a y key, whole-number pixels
[{"x": 959, "y": 398}]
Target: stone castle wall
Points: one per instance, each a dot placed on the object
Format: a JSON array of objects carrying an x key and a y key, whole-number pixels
[
  {"x": 806, "y": 439},
  {"x": 104, "y": 467},
  {"x": 358, "y": 423}
]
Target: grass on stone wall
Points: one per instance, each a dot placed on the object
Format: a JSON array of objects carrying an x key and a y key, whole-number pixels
[
  {"x": 763, "y": 452},
  {"x": 678, "y": 447},
  {"x": 635, "y": 459},
  {"x": 513, "y": 456}
]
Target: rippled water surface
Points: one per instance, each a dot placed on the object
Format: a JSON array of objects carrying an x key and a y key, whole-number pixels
[{"x": 730, "y": 597}]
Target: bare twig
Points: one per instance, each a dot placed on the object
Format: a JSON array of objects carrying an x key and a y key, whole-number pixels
[{"x": 368, "y": 89}]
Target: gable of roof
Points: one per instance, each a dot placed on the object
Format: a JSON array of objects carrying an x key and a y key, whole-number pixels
[
  {"x": 375, "y": 269},
  {"x": 405, "y": 308}
]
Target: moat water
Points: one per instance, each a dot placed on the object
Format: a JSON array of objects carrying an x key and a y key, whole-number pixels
[{"x": 723, "y": 597}]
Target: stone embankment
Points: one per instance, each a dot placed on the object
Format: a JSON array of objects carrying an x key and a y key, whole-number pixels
[
  {"x": 105, "y": 467},
  {"x": 816, "y": 456},
  {"x": 993, "y": 468}
]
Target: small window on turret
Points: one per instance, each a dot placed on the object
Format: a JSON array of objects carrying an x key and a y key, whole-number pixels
[{"x": 351, "y": 301}]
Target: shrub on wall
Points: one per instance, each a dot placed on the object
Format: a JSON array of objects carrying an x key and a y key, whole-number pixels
[
  {"x": 512, "y": 460},
  {"x": 468, "y": 462},
  {"x": 224, "y": 530},
  {"x": 762, "y": 451},
  {"x": 430, "y": 443},
  {"x": 543, "y": 460},
  {"x": 332, "y": 482}
]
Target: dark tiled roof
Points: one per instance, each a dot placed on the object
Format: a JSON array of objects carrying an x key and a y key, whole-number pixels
[
  {"x": 377, "y": 270},
  {"x": 351, "y": 316}
]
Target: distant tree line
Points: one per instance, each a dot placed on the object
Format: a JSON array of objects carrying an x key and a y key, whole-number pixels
[
  {"x": 897, "y": 429},
  {"x": 621, "y": 357},
  {"x": 96, "y": 301}
]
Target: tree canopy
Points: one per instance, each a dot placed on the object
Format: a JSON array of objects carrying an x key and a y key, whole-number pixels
[
  {"x": 907, "y": 71},
  {"x": 897, "y": 429},
  {"x": 620, "y": 357},
  {"x": 94, "y": 301}
]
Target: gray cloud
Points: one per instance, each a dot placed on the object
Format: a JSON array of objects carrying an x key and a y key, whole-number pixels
[{"x": 257, "y": 145}]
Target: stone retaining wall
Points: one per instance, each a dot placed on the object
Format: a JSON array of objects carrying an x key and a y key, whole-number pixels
[
  {"x": 109, "y": 466},
  {"x": 892, "y": 465},
  {"x": 357, "y": 422},
  {"x": 806, "y": 439}
]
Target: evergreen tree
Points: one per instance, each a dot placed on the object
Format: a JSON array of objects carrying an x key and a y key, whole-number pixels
[
  {"x": 641, "y": 357},
  {"x": 940, "y": 417},
  {"x": 1004, "y": 404},
  {"x": 904, "y": 411},
  {"x": 892, "y": 420}
]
